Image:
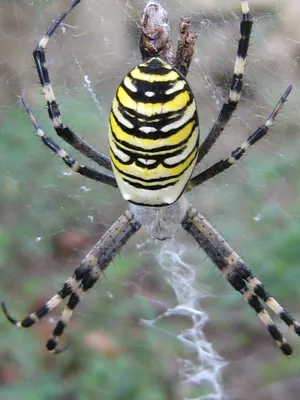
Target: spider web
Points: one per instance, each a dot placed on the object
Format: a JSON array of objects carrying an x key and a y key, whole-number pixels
[
  {"x": 204, "y": 368},
  {"x": 44, "y": 206}
]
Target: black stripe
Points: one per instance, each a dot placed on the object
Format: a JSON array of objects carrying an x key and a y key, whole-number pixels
[
  {"x": 159, "y": 159},
  {"x": 274, "y": 332},
  {"x": 152, "y": 187},
  {"x": 59, "y": 329},
  {"x": 154, "y": 66},
  {"x": 181, "y": 162},
  {"x": 157, "y": 149},
  {"x": 157, "y": 125},
  {"x": 151, "y": 156},
  {"x": 287, "y": 318},
  {"x": 80, "y": 271},
  {"x": 159, "y": 90},
  {"x": 40, "y": 59},
  {"x": 42, "y": 311},
  {"x": 286, "y": 349},
  {"x": 243, "y": 46},
  {"x": 65, "y": 291},
  {"x": 155, "y": 86},
  {"x": 89, "y": 280},
  {"x": 51, "y": 344},
  {"x": 162, "y": 179},
  {"x": 245, "y": 30},
  {"x": 73, "y": 301},
  {"x": 138, "y": 120},
  {"x": 27, "y": 322},
  {"x": 133, "y": 115},
  {"x": 254, "y": 302},
  {"x": 156, "y": 180}
]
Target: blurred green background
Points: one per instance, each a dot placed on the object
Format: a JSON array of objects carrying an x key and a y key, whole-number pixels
[{"x": 49, "y": 217}]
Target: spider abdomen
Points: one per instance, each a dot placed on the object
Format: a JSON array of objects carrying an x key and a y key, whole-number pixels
[{"x": 154, "y": 134}]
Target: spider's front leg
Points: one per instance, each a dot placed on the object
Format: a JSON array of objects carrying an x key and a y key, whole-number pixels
[
  {"x": 239, "y": 275},
  {"x": 84, "y": 277},
  {"x": 83, "y": 170},
  {"x": 236, "y": 85},
  {"x": 238, "y": 153},
  {"x": 62, "y": 130}
]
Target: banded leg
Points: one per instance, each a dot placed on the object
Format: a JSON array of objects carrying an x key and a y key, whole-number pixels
[
  {"x": 239, "y": 276},
  {"x": 84, "y": 277},
  {"x": 69, "y": 161},
  {"x": 236, "y": 85},
  {"x": 222, "y": 165},
  {"x": 62, "y": 130}
]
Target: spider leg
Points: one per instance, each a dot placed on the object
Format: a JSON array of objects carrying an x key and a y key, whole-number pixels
[
  {"x": 51, "y": 304},
  {"x": 236, "y": 85},
  {"x": 69, "y": 161},
  {"x": 84, "y": 277},
  {"x": 238, "y": 275},
  {"x": 259, "y": 133},
  {"x": 62, "y": 130},
  {"x": 258, "y": 288}
]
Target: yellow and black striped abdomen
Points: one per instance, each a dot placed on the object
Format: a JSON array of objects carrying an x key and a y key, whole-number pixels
[{"x": 154, "y": 134}]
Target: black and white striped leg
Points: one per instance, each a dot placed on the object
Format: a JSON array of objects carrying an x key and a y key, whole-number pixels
[
  {"x": 69, "y": 161},
  {"x": 222, "y": 165},
  {"x": 257, "y": 288},
  {"x": 239, "y": 275},
  {"x": 84, "y": 277},
  {"x": 236, "y": 85},
  {"x": 62, "y": 130}
]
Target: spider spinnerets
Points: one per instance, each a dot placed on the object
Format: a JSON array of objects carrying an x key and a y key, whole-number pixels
[{"x": 154, "y": 147}]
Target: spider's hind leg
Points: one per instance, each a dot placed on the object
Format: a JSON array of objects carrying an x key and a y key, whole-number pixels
[
  {"x": 239, "y": 275},
  {"x": 84, "y": 277},
  {"x": 51, "y": 304},
  {"x": 97, "y": 260},
  {"x": 258, "y": 288}
]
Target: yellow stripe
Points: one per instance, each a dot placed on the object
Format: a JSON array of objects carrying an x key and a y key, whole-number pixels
[
  {"x": 143, "y": 152},
  {"x": 149, "y": 184},
  {"x": 149, "y": 109},
  {"x": 149, "y": 144},
  {"x": 188, "y": 146},
  {"x": 142, "y": 76},
  {"x": 159, "y": 172}
]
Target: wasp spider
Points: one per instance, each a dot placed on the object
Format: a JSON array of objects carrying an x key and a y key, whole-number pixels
[{"x": 154, "y": 148}]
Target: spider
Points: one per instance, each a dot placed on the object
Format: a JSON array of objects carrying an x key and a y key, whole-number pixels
[{"x": 154, "y": 148}]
